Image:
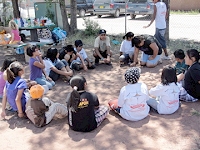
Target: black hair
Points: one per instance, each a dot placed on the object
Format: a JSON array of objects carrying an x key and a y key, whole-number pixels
[
  {"x": 69, "y": 48},
  {"x": 51, "y": 54},
  {"x": 78, "y": 84},
  {"x": 168, "y": 75},
  {"x": 129, "y": 34},
  {"x": 30, "y": 50},
  {"x": 7, "y": 63},
  {"x": 179, "y": 53},
  {"x": 13, "y": 71},
  {"x": 137, "y": 40},
  {"x": 193, "y": 53}
]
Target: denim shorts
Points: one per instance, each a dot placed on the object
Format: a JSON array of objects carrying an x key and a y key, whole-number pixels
[
  {"x": 160, "y": 36},
  {"x": 59, "y": 65},
  {"x": 145, "y": 58}
]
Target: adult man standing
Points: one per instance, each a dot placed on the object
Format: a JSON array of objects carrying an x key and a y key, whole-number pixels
[
  {"x": 102, "y": 48},
  {"x": 160, "y": 15}
]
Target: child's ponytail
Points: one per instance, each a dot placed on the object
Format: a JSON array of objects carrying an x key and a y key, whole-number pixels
[
  {"x": 74, "y": 99},
  {"x": 13, "y": 71}
]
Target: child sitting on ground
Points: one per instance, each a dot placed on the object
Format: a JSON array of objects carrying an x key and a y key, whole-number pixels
[
  {"x": 40, "y": 110},
  {"x": 79, "y": 49},
  {"x": 55, "y": 67},
  {"x": 131, "y": 104},
  {"x": 126, "y": 49},
  {"x": 180, "y": 66},
  {"x": 15, "y": 90},
  {"x": 36, "y": 66},
  {"x": 85, "y": 114},
  {"x": 167, "y": 93},
  {"x": 3, "y": 77},
  {"x": 70, "y": 55}
]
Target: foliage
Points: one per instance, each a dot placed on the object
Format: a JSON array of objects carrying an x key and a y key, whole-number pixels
[{"x": 91, "y": 27}]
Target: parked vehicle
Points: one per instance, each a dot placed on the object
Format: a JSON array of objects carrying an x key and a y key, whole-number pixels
[
  {"x": 109, "y": 7},
  {"x": 83, "y": 7},
  {"x": 140, "y": 7}
]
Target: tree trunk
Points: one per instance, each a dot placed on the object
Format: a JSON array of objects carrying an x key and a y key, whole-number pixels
[
  {"x": 73, "y": 13},
  {"x": 167, "y": 2},
  {"x": 15, "y": 6},
  {"x": 66, "y": 26}
]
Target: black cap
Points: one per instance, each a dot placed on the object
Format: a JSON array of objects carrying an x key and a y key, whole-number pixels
[
  {"x": 102, "y": 31},
  {"x": 78, "y": 43}
]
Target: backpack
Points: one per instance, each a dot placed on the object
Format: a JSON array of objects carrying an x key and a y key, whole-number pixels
[
  {"x": 55, "y": 38},
  {"x": 61, "y": 34}
]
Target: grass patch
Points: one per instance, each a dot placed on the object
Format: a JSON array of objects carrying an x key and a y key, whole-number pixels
[
  {"x": 195, "y": 112},
  {"x": 183, "y": 44},
  {"x": 181, "y": 12},
  {"x": 174, "y": 44}
]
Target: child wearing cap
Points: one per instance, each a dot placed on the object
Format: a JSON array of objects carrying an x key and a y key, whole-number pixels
[
  {"x": 79, "y": 49},
  {"x": 70, "y": 55},
  {"x": 126, "y": 49},
  {"x": 85, "y": 113},
  {"x": 166, "y": 93},
  {"x": 102, "y": 48},
  {"x": 131, "y": 104},
  {"x": 42, "y": 110}
]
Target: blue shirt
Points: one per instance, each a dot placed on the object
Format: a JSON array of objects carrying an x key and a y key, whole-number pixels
[
  {"x": 12, "y": 90},
  {"x": 35, "y": 72}
]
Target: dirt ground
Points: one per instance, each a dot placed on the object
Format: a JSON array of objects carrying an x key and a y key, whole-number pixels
[{"x": 179, "y": 131}]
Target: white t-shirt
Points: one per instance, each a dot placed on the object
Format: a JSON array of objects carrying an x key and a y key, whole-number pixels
[
  {"x": 102, "y": 44},
  {"x": 168, "y": 96},
  {"x": 132, "y": 100},
  {"x": 126, "y": 47},
  {"x": 160, "y": 19},
  {"x": 82, "y": 53},
  {"x": 48, "y": 65}
]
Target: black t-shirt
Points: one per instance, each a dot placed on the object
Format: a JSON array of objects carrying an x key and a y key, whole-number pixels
[
  {"x": 148, "y": 39},
  {"x": 62, "y": 54},
  {"x": 192, "y": 76},
  {"x": 84, "y": 119}
]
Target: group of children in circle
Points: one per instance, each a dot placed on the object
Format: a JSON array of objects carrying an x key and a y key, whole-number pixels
[{"x": 84, "y": 112}]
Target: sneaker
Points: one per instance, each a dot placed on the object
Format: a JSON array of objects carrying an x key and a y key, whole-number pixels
[{"x": 166, "y": 57}]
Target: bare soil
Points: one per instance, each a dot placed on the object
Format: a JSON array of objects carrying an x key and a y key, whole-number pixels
[{"x": 179, "y": 131}]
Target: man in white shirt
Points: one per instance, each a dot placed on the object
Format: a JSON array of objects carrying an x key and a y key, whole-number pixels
[
  {"x": 160, "y": 15},
  {"x": 102, "y": 48}
]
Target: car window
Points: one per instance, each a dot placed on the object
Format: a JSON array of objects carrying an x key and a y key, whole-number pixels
[
  {"x": 119, "y": 1},
  {"x": 138, "y": 1},
  {"x": 80, "y": 1},
  {"x": 102, "y": 1}
]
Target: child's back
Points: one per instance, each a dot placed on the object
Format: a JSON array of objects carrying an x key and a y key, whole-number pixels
[
  {"x": 168, "y": 96},
  {"x": 166, "y": 93},
  {"x": 131, "y": 104},
  {"x": 132, "y": 100}
]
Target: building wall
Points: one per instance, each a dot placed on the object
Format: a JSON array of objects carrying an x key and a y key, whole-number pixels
[{"x": 185, "y": 4}]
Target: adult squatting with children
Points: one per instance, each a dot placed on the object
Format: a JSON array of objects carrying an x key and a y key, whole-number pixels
[{"x": 83, "y": 109}]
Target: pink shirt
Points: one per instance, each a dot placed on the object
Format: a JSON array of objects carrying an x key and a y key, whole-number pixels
[
  {"x": 2, "y": 83},
  {"x": 16, "y": 35}
]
